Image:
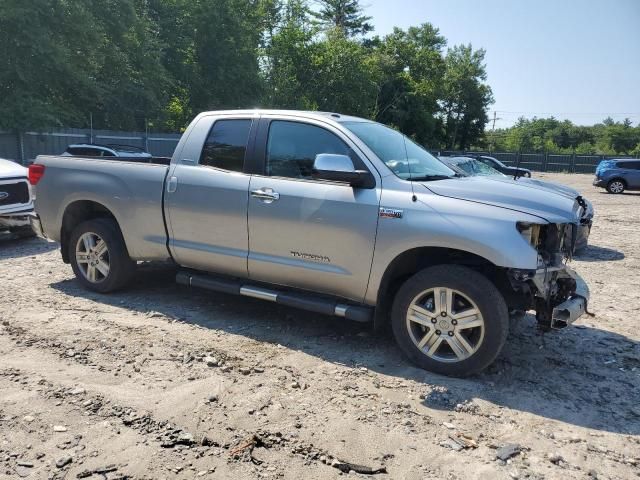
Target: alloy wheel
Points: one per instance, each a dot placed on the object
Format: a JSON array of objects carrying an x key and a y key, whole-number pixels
[
  {"x": 92, "y": 257},
  {"x": 616, "y": 187},
  {"x": 445, "y": 324}
]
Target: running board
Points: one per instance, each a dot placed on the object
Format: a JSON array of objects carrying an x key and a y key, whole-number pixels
[{"x": 303, "y": 301}]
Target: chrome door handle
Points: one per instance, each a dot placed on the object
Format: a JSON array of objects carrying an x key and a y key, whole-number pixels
[
  {"x": 266, "y": 195},
  {"x": 172, "y": 184}
]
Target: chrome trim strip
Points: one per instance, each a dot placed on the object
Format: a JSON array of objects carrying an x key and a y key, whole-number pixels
[
  {"x": 341, "y": 310},
  {"x": 260, "y": 293}
]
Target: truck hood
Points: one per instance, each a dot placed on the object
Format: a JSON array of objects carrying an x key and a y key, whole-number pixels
[
  {"x": 545, "y": 203},
  {"x": 543, "y": 185},
  {"x": 9, "y": 169}
]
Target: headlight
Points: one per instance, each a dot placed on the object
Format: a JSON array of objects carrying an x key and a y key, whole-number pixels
[{"x": 529, "y": 231}]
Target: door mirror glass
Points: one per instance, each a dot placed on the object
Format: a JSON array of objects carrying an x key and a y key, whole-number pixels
[{"x": 340, "y": 168}]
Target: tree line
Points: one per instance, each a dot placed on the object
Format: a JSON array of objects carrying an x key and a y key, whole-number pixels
[
  {"x": 555, "y": 136},
  {"x": 138, "y": 63}
]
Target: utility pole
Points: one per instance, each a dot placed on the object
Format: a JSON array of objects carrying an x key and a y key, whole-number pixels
[{"x": 493, "y": 127}]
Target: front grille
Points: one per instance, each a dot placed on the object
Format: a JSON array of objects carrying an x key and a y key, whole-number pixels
[{"x": 13, "y": 193}]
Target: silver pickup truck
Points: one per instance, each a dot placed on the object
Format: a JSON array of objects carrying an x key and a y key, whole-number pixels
[{"x": 328, "y": 213}]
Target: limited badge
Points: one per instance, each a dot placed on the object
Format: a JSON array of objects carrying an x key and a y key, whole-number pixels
[{"x": 390, "y": 212}]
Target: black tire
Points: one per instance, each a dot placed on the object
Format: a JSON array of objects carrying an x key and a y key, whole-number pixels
[
  {"x": 616, "y": 186},
  {"x": 477, "y": 288},
  {"x": 121, "y": 267}
]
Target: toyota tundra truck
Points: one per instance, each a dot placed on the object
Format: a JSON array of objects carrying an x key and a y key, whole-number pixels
[{"x": 328, "y": 213}]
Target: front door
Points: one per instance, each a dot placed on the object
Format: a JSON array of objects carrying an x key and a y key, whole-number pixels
[
  {"x": 633, "y": 175},
  {"x": 305, "y": 233},
  {"x": 206, "y": 198}
]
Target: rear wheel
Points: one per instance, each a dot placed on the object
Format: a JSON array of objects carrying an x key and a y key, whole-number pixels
[
  {"x": 450, "y": 319},
  {"x": 616, "y": 186},
  {"x": 99, "y": 256}
]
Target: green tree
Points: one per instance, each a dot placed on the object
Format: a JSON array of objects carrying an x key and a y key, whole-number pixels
[
  {"x": 226, "y": 43},
  {"x": 409, "y": 81},
  {"x": 287, "y": 59},
  {"x": 344, "y": 76},
  {"x": 466, "y": 96},
  {"x": 64, "y": 59},
  {"x": 345, "y": 15},
  {"x": 554, "y": 136}
]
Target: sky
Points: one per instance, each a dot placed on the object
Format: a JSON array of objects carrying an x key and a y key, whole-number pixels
[{"x": 573, "y": 59}]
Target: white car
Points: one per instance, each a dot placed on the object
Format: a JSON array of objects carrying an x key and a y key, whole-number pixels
[{"x": 16, "y": 202}]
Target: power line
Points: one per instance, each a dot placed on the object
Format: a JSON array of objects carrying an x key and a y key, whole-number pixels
[{"x": 570, "y": 113}]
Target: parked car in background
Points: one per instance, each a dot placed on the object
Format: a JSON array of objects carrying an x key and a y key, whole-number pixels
[
  {"x": 95, "y": 150},
  {"x": 469, "y": 166},
  {"x": 618, "y": 175},
  {"x": 16, "y": 203},
  {"x": 329, "y": 213},
  {"x": 502, "y": 168}
]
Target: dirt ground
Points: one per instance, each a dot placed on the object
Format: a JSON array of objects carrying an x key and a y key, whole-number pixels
[{"x": 161, "y": 381}]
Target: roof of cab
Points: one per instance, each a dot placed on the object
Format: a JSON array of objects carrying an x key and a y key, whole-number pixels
[{"x": 336, "y": 117}]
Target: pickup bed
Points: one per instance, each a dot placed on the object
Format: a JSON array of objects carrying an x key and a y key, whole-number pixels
[{"x": 328, "y": 213}]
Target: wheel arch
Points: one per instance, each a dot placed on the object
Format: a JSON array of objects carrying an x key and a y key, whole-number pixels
[
  {"x": 413, "y": 260},
  {"x": 74, "y": 214},
  {"x": 620, "y": 179}
]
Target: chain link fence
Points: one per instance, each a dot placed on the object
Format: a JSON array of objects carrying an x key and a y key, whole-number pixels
[
  {"x": 24, "y": 147},
  {"x": 542, "y": 162}
]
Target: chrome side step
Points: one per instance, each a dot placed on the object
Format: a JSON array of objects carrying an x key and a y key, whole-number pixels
[{"x": 303, "y": 301}]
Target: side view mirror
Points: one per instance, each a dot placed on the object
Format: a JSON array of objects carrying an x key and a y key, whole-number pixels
[{"x": 340, "y": 168}]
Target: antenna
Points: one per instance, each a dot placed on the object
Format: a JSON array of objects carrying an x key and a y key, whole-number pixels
[{"x": 406, "y": 155}]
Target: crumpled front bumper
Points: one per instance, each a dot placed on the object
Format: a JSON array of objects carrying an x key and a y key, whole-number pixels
[
  {"x": 562, "y": 296},
  {"x": 15, "y": 219},
  {"x": 575, "y": 306}
]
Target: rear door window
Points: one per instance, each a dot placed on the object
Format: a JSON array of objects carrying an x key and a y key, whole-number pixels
[{"x": 226, "y": 145}]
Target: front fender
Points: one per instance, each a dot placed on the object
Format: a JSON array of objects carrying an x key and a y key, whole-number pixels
[{"x": 434, "y": 221}]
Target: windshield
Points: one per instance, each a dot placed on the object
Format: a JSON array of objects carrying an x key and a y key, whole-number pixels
[
  {"x": 483, "y": 169},
  {"x": 404, "y": 158},
  {"x": 492, "y": 161}
]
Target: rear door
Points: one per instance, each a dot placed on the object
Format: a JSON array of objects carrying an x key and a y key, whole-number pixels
[
  {"x": 306, "y": 233},
  {"x": 206, "y": 196}
]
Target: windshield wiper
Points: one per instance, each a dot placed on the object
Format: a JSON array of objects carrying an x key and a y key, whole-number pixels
[{"x": 428, "y": 178}]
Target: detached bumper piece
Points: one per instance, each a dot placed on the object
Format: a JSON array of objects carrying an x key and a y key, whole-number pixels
[
  {"x": 303, "y": 301},
  {"x": 573, "y": 308}
]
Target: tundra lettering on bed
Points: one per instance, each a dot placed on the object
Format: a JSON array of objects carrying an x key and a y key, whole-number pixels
[{"x": 397, "y": 237}]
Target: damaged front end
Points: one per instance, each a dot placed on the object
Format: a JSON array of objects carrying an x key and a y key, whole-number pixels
[{"x": 554, "y": 290}]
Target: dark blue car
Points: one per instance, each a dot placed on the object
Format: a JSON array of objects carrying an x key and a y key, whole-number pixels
[{"x": 618, "y": 175}]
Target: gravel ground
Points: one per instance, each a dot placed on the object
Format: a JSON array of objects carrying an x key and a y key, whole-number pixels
[{"x": 161, "y": 381}]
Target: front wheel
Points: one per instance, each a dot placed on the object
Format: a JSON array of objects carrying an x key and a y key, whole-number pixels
[
  {"x": 450, "y": 320},
  {"x": 99, "y": 256}
]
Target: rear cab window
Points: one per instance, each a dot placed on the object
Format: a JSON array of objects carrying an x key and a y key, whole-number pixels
[{"x": 226, "y": 145}]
